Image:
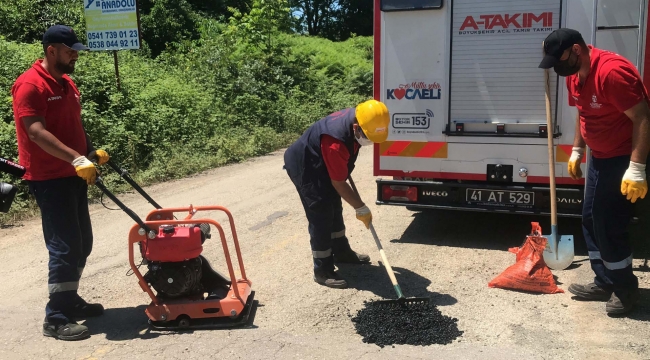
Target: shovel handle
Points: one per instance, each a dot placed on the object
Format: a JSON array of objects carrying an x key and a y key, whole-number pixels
[
  {"x": 384, "y": 259},
  {"x": 389, "y": 269},
  {"x": 551, "y": 152},
  {"x": 551, "y": 162}
]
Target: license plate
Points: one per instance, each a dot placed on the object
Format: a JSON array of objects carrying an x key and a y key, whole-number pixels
[{"x": 500, "y": 197}]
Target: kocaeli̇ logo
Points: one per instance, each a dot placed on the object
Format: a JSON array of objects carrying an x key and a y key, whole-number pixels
[{"x": 415, "y": 91}]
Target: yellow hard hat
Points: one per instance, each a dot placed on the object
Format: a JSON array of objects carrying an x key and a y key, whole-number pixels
[{"x": 372, "y": 116}]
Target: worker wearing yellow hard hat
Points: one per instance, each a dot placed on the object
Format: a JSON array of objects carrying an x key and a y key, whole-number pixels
[
  {"x": 372, "y": 117},
  {"x": 318, "y": 164}
]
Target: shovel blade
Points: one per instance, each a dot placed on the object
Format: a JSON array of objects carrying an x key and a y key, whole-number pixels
[{"x": 563, "y": 257}]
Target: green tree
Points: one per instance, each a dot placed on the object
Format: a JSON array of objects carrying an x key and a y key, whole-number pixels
[
  {"x": 165, "y": 23},
  {"x": 218, "y": 9},
  {"x": 334, "y": 19},
  {"x": 265, "y": 19},
  {"x": 316, "y": 16},
  {"x": 352, "y": 17}
]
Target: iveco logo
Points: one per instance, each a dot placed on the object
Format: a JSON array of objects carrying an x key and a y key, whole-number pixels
[
  {"x": 569, "y": 201},
  {"x": 435, "y": 193}
]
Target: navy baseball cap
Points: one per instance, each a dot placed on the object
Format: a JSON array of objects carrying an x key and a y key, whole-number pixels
[
  {"x": 61, "y": 34},
  {"x": 556, "y": 43}
]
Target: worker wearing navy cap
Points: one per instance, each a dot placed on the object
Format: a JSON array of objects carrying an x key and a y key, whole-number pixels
[
  {"x": 318, "y": 164},
  {"x": 614, "y": 121},
  {"x": 55, "y": 150}
]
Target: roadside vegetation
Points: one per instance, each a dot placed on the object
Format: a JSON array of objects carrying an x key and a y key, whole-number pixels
[{"x": 212, "y": 84}]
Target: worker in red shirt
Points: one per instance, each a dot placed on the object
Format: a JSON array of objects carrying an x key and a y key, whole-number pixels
[
  {"x": 54, "y": 148},
  {"x": 614, "y": 121},
  {"x": 318, "y": 164}
]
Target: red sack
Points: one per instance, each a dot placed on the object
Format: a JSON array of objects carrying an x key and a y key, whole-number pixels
[{"x": 529, "y": 273}]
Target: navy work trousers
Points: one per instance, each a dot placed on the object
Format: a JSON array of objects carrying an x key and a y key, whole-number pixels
[
  {"x": 606, "y": 215},
  {"x": 326, "y": 227},
  {"x": 68, "y": 237}
]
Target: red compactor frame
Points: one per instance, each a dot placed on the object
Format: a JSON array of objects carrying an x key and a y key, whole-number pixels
[{"x": 164, "y": 240}]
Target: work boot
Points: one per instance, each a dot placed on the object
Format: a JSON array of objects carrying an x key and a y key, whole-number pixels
[
  {"x": 330, "y": 279},
  {"x": 69, "y": 332},
  {"x": 83, "y": 310},
  {"x": 621, "y": 305},
  {"x": 351, "y": 257},
  {"x": 590, "y": 292}
]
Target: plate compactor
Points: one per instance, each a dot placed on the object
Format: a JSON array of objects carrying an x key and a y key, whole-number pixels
[{"x": 189, "y": 293}]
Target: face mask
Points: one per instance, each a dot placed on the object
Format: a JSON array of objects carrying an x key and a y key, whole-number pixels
[
  {"x": 362, "y": 140},
  {"x": 564, "y": 67}
]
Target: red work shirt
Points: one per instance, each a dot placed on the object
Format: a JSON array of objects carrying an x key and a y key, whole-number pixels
[
  {"x": 37, "y": 93},
  {"x": 612, "y": 87},
  {"x": 336, "y": 157}
]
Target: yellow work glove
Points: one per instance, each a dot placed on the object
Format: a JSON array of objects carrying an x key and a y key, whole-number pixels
[
  {"x": 364, "y": 214},
  {"x": 634, "y": 183},
  {"x": 85, "y": 169},
  {"x": 574, "y": 163},
  {"x": 100, "y": 155}
]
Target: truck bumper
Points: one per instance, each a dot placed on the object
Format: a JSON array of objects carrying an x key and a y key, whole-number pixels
[{"x": 480, "y": 196}]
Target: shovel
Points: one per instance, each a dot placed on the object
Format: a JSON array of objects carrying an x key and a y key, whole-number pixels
[
  {"x": 401, "y": 300},
  {"x": 558, "y": 254}
]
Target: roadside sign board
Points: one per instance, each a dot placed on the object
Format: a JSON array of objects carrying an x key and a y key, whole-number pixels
[{"x": 112, "y": 24}]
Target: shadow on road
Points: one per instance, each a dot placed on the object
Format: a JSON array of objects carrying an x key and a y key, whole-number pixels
[
  {"x": 479, "y": 230},
  {"x": 642, "y": 310},
  {"x": 375, "y": 279},
  {"x": 121, "y": 324}
]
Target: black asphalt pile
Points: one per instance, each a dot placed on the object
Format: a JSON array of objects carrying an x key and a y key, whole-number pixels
[{"x": 421, "y": 324}]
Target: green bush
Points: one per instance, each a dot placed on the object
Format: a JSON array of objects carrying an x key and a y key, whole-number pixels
[
  {"x": 201, "y": 103},
  {"x": 167, "y": 22},
  {"x": 26, "y": 20}
]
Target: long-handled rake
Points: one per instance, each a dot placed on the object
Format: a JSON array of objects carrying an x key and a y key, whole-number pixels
[{"x": 401, "y": 300}]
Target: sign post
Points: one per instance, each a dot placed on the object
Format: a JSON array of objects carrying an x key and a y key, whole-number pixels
[
  {"x": 112, "y": 25},
  {"x": 117, "y": 70}
]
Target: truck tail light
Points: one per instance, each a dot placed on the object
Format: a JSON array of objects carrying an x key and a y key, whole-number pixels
[{"x": 399, "y": 193}]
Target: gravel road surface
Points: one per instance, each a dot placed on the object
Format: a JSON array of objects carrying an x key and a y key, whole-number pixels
[{"x": 448, "y": 256}]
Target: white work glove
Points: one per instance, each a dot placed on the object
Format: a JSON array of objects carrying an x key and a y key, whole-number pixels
[
  {"x": 574, "y": 163},
  {"x": 634, "y": 183},
  {"x": 85, "y": 169},
  {"x": 364, "y": 214}
]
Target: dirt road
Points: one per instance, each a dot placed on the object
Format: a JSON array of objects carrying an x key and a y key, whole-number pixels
[{"x": 448, "y": 256}]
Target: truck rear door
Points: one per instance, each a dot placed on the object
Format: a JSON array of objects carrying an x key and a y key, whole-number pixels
[{"x": 496, "y": 87}]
